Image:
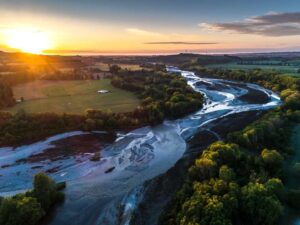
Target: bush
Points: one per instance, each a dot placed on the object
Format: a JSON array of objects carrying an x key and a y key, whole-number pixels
[
  {"x": 30, "y": 207},
  {"x": 18, "y": 209},
  {"x": 44, "y": 190}
]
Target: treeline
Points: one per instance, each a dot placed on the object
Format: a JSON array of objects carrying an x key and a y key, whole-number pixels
[
  {"x": 6, "y": 96},
  {"x": 17, "y": 78},
  {"x": 163, "y": 95},
  {"x": 30, "y": 208},
  {"x": 6, "y": 83},
  {"x": 205, "y": 60},
  {"x": 241, "y": 180},
  {"x": 269, "y": 79},
  {"x": 23, "y": 127},
  {"x": 57, "y": 75}
]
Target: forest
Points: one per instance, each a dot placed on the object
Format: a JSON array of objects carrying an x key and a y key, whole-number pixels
[
  {"x": 241, "y": 180},
  {"x": 163, "y": 95}
]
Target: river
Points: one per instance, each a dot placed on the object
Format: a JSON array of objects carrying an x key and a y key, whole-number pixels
[{"x": 107, "y": 191}]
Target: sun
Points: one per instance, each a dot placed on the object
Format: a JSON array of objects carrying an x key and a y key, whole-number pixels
[{"x": 27, "y": 40}]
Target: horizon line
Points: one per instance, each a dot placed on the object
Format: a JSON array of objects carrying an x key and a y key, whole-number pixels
[{"x": 99, "y": 53}]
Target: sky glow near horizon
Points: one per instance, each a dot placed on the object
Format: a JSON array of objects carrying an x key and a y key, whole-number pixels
[{"x": 154, "y": 27}]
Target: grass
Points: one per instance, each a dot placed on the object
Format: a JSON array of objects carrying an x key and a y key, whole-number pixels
[
  {"x": 291, "y": 70},
  {"x": 72, "y": 97},
  {"x": 130, "y": 66},
  {"x": 105, "y": 67},
  {"x": 102, "y": 66}
]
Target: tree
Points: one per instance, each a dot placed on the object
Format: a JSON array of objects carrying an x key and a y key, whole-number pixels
[
  {"x": 272, "y": 159},
  {"x": 19, "y": 210},
  {"x": 259, "y": 206},
  {"x": 226, "y": 173},
  {"x": 214, "y": 213},
  {"x": 6, "y": 96},
  {"x": 44, "y": 189},
  {"x": 274, "y": 185},
  {"x": 28, "y": 208},
  {"x": 292, "y": 101},
  {"x": 203, "y": 169},
  {"x": 114, "y": 69}
]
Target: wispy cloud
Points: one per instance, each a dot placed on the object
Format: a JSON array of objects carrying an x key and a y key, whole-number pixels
[
  {"x": 179, "y": 43},
  {"x": 272, "y": 24},
  {"x": 142, "y": 32}
]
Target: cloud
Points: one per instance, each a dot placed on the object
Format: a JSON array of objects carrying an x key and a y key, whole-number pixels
[
  {"x": 142, "y": 32},
  {"x": 273, "y": 24},
  {"x": 179, "y": 43}
]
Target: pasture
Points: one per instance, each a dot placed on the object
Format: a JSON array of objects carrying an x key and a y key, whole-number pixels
[
  {"x": 72, "y": 97},
  {"x": 105, "y": 67},
  {"x": 290, "y": 70}
]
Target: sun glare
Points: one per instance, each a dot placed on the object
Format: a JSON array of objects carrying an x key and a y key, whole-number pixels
[{"x": 29, "y": 41}]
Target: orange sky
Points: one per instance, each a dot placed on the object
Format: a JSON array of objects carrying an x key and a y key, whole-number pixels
[{"x": 69, "y": 34}]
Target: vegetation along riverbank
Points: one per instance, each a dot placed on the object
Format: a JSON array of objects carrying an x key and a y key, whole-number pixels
[
  {"x": 31, "y": 207},
  {"x": 242, "y": 180}
]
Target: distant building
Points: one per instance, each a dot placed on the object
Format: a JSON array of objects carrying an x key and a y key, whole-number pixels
[{"x": 103, "y": 91}]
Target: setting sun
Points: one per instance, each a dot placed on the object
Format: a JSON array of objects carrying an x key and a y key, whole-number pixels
[{"x": 29, "y": 41}]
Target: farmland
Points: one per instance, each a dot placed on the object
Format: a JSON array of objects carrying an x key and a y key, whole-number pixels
[
  {"x": 72, "y": 97},
  {"x": 105, "y": 66},
  {"x": 284, "y": 69}
]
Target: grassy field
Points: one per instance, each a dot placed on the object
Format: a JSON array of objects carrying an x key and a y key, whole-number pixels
[
  {"x": 105, "y": 67},
  {"x": 291, "y": 70},
  {"x": 130, "y": 66},
  {"x": 72, "y": 97}
]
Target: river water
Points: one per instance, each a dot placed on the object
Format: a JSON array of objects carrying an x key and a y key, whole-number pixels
[{"x": 107, "y": 191}]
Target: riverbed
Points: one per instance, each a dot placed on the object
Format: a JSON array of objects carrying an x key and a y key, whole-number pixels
[{"x": 107, "y": 191}]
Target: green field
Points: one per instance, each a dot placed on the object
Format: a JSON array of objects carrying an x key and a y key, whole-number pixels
[
  {"x": 72, "y": 97},
  {"x": 290, "y": 70},
  {"x": 105, "y": 67}
]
